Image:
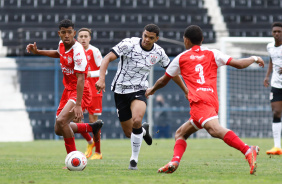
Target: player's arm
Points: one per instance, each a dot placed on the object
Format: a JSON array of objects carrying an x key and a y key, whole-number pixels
[
  {"x": 177, "y": 79},
  {"x": 269, "y": 70},
  {"x": 50, "y": 53},
  {"x": 160, "y": 83},
  {"x": 79, "y": 89},
  {"x": 100, "y": 84},
  {"x": 245, "y": 62}
]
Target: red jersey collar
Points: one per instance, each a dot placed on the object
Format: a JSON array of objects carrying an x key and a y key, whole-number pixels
[{"x": 196, "y": 48}]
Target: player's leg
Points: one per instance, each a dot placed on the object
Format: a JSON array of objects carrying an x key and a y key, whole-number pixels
[
  {"x": 181, "y": 135},
  {"x": 138, "y": 109},
  {"x": 63, "y": 128},
  {"x": 230, "y": 138},
  {"x": 97, "y": 139},
  {"x": 276, "y": 127}
]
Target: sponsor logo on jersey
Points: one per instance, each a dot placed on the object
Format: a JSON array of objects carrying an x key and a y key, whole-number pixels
[
  {"x": 66, "y": 70},
  {"x": 197, "y": 57},
  {"x": 88, "y": 57},
  {"x": 78, "y": 54}
]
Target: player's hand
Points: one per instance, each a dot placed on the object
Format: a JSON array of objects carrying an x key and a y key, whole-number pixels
[
  {"x": 260, "y": 62},
  {"x": 32, "y": 48},
  {"x": 266, "y": 81},
  {"x": 88, "y": 74},
  {"x": 149, "y": 92},
  {"x": 78, "y": 113},
  {"x": 100, "y": 85}
]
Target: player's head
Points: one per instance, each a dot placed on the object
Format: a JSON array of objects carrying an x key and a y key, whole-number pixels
[
  {"x": 84, "y": 37},
  {"x": 193, "y": 35},
  {"x": 67, "y": 32},
  {"x": 149, "y": 36},
  {"x": 277, "y": 31}
]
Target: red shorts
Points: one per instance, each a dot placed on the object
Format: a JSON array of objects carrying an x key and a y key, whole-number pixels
[
  {"x": 71, "y": 95},
  {"x": 95, "y": 107},
  {"x": 202, "y": 112}
]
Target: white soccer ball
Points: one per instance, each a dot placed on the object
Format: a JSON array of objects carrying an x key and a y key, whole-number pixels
[{"x": 76, "y": 161}]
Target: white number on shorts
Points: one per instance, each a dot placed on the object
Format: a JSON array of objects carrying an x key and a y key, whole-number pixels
[{"x": 199, "y": 68}]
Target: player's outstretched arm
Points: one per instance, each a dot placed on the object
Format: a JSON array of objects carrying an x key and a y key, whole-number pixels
[
  {"x": 245, "y": 62},
  {"x": 100, "y": 84},
  {"x": 32, "y": 48},
  {"x": 177, "y": 79},
  {"x": 161, "y": 82}
]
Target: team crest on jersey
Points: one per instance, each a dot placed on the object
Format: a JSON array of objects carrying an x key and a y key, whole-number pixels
[
  {"x": 153, "y": 59},
  {"x": 88, "y": 57},
  {"x": 69, "y": 60}
]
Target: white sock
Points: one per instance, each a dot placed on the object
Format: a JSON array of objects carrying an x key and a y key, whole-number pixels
[
  {"x": 144, "y": 131},
  {"x": 136, "y": 141},
  {"x": 276, "y": 130}
]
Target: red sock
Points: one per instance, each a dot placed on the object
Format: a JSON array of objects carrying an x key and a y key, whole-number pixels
[
  {"x": 97, "y": 140},
  {"x": 86, "y": 136},
  {"x": 83, "y": 127},
  {"x": 179, "y": 149},
  {"x": 234, "y": 141},
  {"x": 70, "y": 144}
]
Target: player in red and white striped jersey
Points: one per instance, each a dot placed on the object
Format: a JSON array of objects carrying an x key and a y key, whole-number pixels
[
  {"x": 94, "y": 58},
  {"x": 76, "y": 95},
  {"x": 198, "y": 67}
]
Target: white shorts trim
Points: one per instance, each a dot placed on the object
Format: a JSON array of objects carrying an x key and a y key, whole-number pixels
[
  {"x": 191, "y": 121},
  {"x": 213, "y": 117}
]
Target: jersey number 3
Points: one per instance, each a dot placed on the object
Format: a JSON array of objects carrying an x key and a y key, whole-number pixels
[{"x": 199, "y": 68}]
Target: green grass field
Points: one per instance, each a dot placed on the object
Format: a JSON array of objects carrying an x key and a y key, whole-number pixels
[{"x": 205, "y": 161}]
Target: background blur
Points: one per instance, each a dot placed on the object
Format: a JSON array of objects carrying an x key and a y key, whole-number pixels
[{"x": 31, "y": 86}]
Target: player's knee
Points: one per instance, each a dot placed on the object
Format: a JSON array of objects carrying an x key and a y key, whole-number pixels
[{"x": 276, "y": 116}]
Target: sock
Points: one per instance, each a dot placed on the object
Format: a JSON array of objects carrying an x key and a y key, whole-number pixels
[
  {"x": 97, "y": 140},
  {"x": 179, "y": 149},
  {"x": 234, "y": 141},
  {"x": 276, "y": 131},
  {"x": 70, "y": 144},
  {"x": 86, "y": 136},
  {"x": 136, "y": 141},
  {"x": 83, "y": 127}
]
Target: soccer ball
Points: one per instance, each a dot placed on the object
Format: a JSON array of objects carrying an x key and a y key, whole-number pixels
[{"x": 76, "y": 161}]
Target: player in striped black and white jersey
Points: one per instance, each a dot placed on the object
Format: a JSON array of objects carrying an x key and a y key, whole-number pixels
[
  {"x": 275, "y": 66},
  {"x": 137, "y": 56}
]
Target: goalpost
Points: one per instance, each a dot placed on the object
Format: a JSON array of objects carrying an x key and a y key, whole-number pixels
[{"x": 244, "y": 101}]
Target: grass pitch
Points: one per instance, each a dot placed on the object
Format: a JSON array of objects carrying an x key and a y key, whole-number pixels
[{"x": 205, "y": 161}]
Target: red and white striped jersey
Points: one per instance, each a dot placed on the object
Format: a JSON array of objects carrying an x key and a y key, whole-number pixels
[
  {"x": 72, "y": 61},
  {"x": 198, "y": 67}
]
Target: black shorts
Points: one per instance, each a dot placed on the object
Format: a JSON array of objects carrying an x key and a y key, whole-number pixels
[
  {"x": 123, "y": 102},
  {"x": 275, "y": 94}
]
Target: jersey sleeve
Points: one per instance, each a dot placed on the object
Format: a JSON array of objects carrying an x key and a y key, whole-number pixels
[
  {"x": 164, "y": 62},
  {"x": 58, "y": 50},
  {"x": 79, "y": 58},
  {"x": 221, "y": 59},
  {"x": 123, "y": 47},
  {"x": 173, "y": 69},
  {"x": 97, "y": 56}
]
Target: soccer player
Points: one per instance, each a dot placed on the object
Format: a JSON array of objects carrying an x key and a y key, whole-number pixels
[
  {"x": 137, "y": 56},
  {"x": 76, "y": 95},
  {"x": 275, "y": 66},
  {"x": 94, "y": 57},
  {"x": 198, "y": 67}
]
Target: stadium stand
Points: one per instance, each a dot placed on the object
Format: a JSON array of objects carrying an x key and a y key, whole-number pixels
[
  {"x": 22, "y": 22},
  {"x": 119, "y": 17}
]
